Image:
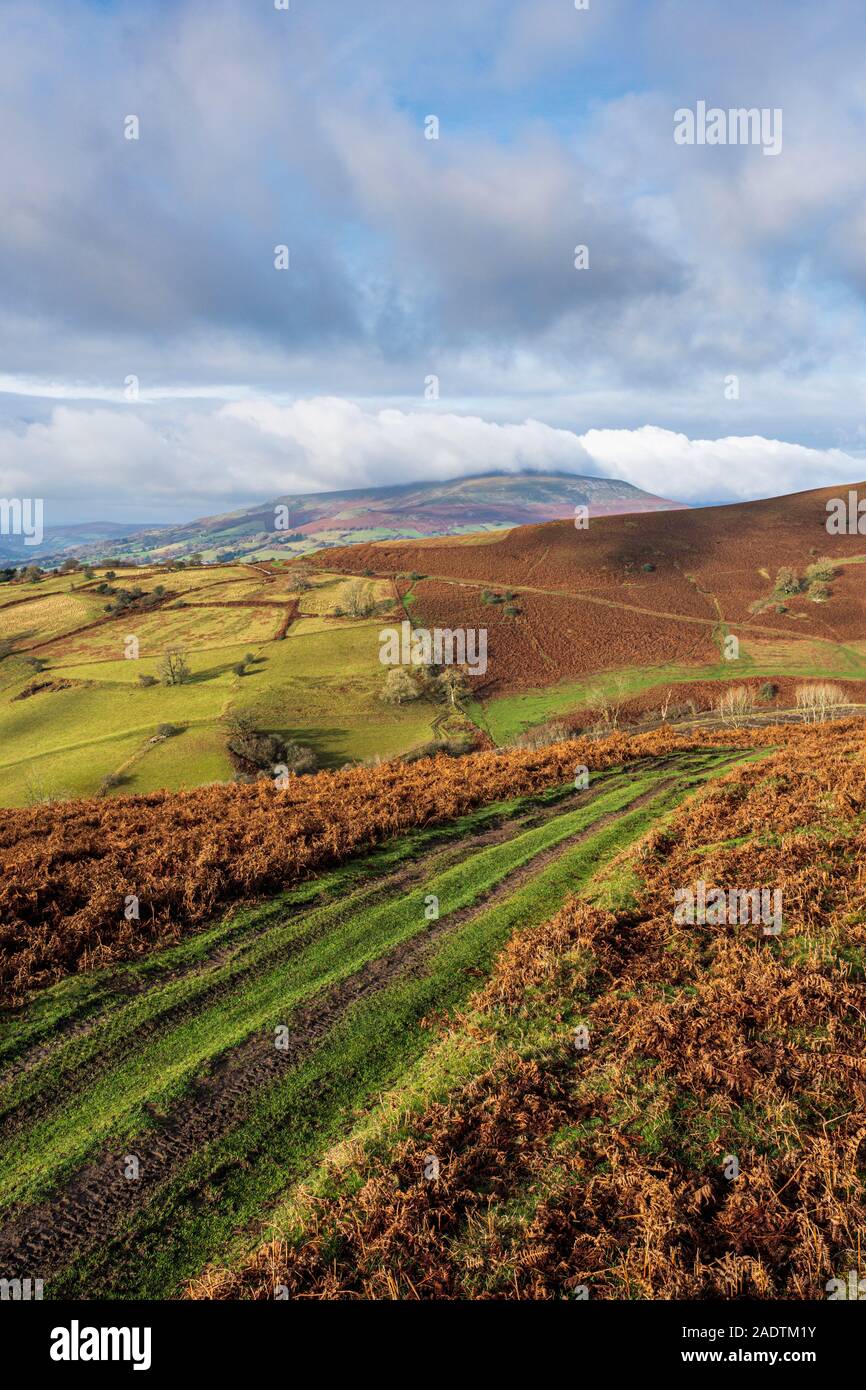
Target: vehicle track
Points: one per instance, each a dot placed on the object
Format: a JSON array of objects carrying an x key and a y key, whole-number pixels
[
  {"x": 85, "y": 1212},
  {"x": 438, "y": 857}
]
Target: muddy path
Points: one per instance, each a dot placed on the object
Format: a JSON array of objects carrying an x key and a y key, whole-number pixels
[
  {"x": 87, "y": 1211},
  {"x": 125, "y": 984}
]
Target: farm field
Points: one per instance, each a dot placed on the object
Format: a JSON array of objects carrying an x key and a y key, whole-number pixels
[
  {"x": 635, "y": 607},
  {"x": 82, "y": 716},
  {"x": 282, "y": 1066}
]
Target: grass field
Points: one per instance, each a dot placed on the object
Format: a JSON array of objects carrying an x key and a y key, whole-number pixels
[
  {"x": 320, "y": 688},
  {"x": 505, "y": 717}
]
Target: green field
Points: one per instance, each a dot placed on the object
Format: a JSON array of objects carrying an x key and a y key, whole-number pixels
[
  {"x": 505, "y": 717},
  {"x": 319, "y": 687}
]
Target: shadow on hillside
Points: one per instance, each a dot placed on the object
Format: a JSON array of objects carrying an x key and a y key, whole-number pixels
[
  {"x": 330, "y": 744},
  {"x": 211, "y": 673}
]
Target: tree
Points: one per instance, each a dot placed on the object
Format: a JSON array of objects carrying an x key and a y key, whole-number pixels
[
  {"x": 606, "y": 701},
  {"x": 302, "y": 575},
  {"x": 357, "y": 599},
  {"x": 453, "y": 681},
  {"x": 401, "y": 686},
  {"x": 735, "y": 705},
  {"x": 817, "y": 702},
  {"x": 174, "y": 668}
]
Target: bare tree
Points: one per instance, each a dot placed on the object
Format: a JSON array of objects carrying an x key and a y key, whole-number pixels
[
  {"x": 606, "y": 701},
  {"x": 817, "y": 702},
  {"x": 174, "y": 668},
  {"x": 735, "y": 706},
  {"x": 302, "y": 575},
  {"x": 357, "y": 599}
]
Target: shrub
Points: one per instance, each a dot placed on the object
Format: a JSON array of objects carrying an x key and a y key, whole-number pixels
[
  {"x": 787, "y": 583},
  {"x": 168, "y": 730},
  {"x": 822, "y": 569},
  {"x": 768, "y": 691},
  {"x": 299, "y": 758},
  {"x": 250, "y": 747},
  {"x": 147, "y": 681},
  {"x": 553, "y": 731},
  {"x": 819, "y": 593}
]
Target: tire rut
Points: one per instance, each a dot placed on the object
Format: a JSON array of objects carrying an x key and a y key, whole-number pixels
[
  {"x": 42, "y": 1239},
  {"x": 445, "y": 854}
]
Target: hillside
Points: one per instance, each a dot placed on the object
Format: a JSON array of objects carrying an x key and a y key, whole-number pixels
[
  {"x": 534, "y": 1091},
  {"x": 317, "y": 520},
  {"x": 83, "y": 709},
  {"x": 648, "y": 601},
  {"x": 628, "y": 621}
]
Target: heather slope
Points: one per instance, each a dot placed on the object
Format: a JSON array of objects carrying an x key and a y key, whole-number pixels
[{"x": 631, "y": 1107}]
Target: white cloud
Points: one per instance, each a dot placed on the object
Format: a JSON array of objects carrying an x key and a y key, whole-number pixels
[
  {"x": 153, "y": 466},
  {"x": 730, "y": 469}
]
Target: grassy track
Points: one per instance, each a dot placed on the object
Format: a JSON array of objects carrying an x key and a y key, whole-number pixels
[{"x": 173, "y": 1059}]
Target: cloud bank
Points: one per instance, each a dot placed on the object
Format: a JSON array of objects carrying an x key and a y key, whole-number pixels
[{"x": 211, "y": 460}]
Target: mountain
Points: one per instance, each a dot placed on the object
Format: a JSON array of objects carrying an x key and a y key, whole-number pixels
[
  {"x": 313, "y": 521},
  {"x": 59, "y": 541}
]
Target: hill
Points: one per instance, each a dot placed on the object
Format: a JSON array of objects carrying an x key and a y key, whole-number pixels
[
  {"x": 547, "y": 1087},
  {"x": 314, "y": 521},
  {"x": 629, "y": 621},
  {"x": 60, "y": 541},
  {"x": 646, "y": 601}
]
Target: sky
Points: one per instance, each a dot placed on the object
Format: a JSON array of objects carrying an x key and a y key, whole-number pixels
[{"x": 157, "y": 365}]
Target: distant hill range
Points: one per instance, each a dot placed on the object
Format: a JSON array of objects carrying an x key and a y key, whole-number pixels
[
  {"x": 300, "y": 522},
  {"x": 59, "y": 541}
]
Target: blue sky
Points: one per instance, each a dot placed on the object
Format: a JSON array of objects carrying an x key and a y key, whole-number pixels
[{"x": 412, "y": 258}]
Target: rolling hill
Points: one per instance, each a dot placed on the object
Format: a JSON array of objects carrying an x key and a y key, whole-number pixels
[
  {"x": 608, "y": 624},
  {"x": 284, "y": 1076},
  {"x": 313, "y": 521},
  {"x": 422, "y": 1025},
  {"x": 644, "y": 601}
]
